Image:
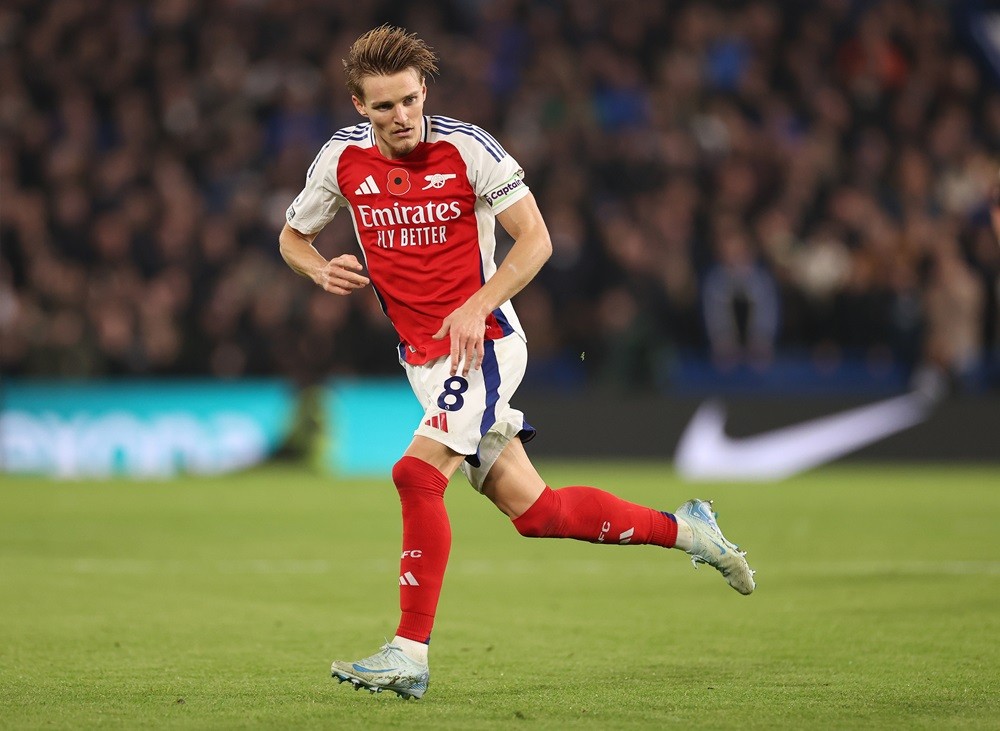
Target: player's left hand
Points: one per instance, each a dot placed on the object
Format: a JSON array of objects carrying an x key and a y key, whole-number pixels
[{"x": 467, "y": 328}]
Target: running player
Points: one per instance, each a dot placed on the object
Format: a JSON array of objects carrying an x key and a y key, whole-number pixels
[{"x": 423, "y": 194}]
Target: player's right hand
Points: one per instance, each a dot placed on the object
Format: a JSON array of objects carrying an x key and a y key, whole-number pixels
[{"x": 340, "y": 275}]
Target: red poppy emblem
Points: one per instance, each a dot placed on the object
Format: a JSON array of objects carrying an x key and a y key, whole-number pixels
[{"x": 399, "y": 181}]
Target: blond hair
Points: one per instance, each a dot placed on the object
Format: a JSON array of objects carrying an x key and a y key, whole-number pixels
[{"x": 384, "y": 51}]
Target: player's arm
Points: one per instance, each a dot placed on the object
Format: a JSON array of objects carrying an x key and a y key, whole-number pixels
[
  {"x": 339, "y": 275},
  {"x": 532, "y": 248}
]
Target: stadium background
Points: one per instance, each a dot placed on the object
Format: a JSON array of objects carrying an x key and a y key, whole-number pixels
[
  {"x": 148, "y": 328},
  {"x": 782, "y": 203}
]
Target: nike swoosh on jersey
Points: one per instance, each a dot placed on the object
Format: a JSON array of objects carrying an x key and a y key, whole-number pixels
[{"x": 706, "y": 452}]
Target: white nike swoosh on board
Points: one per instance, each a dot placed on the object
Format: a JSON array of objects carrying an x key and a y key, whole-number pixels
[{"x": 705, "y": 452}]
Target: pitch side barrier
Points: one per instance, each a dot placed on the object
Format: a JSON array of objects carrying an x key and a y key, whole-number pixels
[
  {"x": 747, "y": 437},
  {"x": 359, "y": 427},
  {"x": 140, "y": 428},
  {"x": 161, "y": 428}
]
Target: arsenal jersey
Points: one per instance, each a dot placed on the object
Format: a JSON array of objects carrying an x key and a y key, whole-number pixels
[{"x": 425, "y": 222}]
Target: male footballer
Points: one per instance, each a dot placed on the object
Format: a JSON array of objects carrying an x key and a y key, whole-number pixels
[{"x": 424, "y": 193}]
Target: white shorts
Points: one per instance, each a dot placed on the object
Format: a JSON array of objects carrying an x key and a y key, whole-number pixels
[{"x": 472, "y": 415}]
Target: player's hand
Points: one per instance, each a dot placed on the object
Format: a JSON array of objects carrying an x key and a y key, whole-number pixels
[
  {"x": 467, "y": 328},
  {"x": 340, "y": 275}
]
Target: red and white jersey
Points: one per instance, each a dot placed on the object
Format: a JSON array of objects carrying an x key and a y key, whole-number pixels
[{"x": 425, "y": 222}]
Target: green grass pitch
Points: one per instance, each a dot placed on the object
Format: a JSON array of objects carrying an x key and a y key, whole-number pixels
[{"x": 220, "y": 602}]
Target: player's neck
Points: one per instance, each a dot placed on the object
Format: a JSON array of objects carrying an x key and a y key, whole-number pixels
[{"x": 390, "y": 154}]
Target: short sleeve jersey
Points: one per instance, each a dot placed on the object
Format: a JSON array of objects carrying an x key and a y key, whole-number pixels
[{"x": 425, "y": 222}]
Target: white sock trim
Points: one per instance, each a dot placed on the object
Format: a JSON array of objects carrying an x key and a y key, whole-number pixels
[
  {"x": 411, "y": 648},
  {"x": 685, "y": 537}
]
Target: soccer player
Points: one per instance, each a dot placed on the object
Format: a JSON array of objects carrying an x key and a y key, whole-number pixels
[{"x": 423, "y": 193}]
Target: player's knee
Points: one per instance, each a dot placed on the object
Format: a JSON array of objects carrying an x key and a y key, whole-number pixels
[
  {"x": 532, "y": 530},
  {"x": 400, "y": 472},
  {"x": 543, "y": 518},
  {"x": 413, "y": 475}
]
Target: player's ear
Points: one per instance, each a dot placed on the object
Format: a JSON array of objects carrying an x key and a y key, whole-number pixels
[{"x": 359, "y": 105}]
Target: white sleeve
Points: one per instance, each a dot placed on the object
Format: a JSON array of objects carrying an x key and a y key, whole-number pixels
[
  {"x": 320, "y": 199},
  {"x": 495, "y": 175}
]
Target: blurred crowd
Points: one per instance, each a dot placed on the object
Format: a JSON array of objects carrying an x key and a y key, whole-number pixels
[{"x": 746, "y": 181}]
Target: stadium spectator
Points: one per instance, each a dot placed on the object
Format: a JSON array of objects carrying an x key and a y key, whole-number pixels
[
  {"x": 954, "y": 300},
  {"x": 739, "y": 302}
]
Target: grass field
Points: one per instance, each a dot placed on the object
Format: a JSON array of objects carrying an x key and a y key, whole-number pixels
[{"x": 219, "y": 603}]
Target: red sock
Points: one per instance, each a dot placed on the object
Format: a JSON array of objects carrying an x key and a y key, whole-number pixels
[
  {"x": 589, "y": 514},
  {"x": 426, "y": 544}
]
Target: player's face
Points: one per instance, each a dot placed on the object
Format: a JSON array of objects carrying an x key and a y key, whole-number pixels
[{"x": 395, "y": 106}]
